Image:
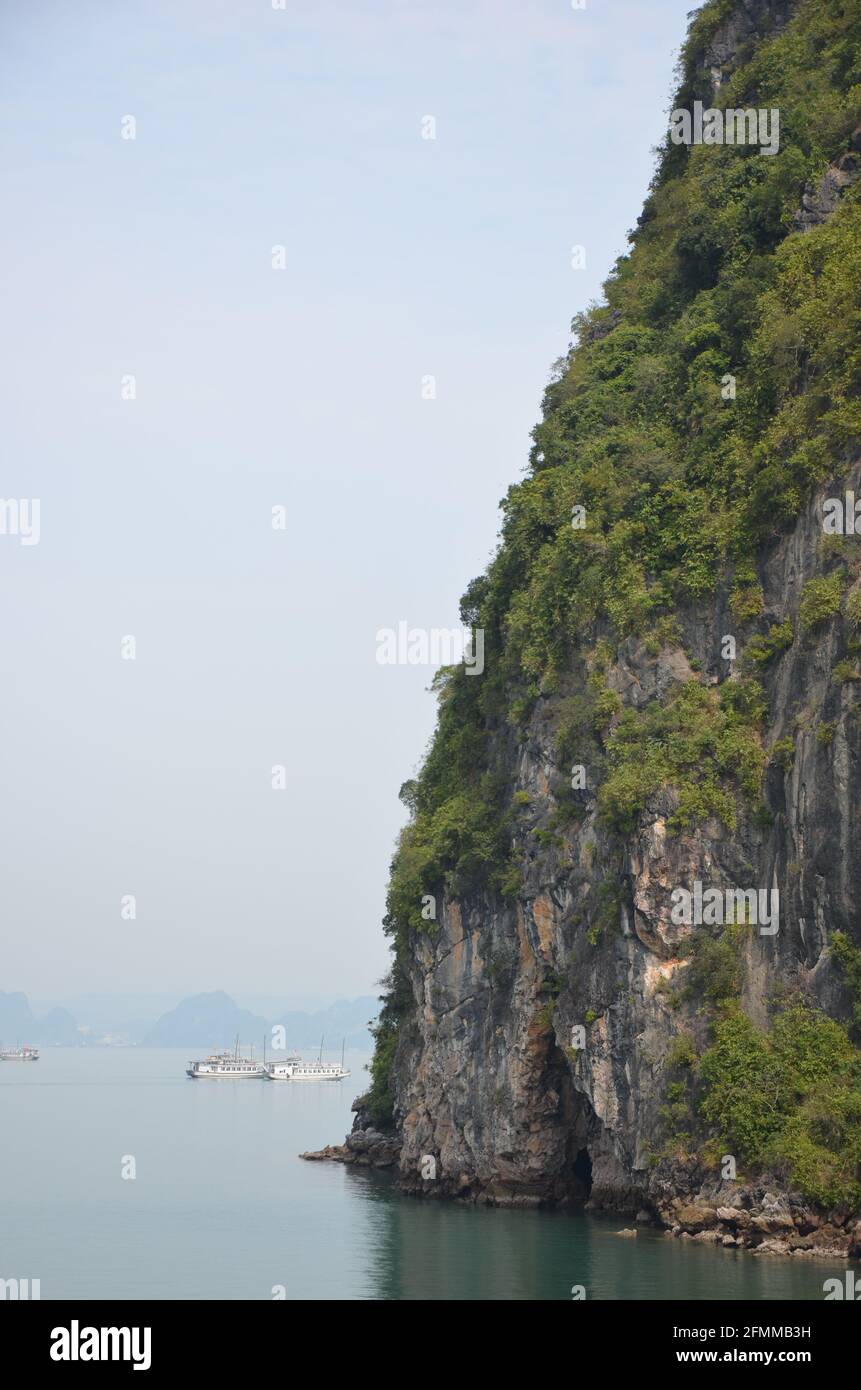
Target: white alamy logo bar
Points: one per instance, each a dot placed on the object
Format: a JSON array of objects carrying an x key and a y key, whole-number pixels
[
  {"x": 713, "y": 907},
  {"x": 712, "y": 126},
  {"x": 76, "y": 1343},
  {"x": 435, "y": 646}
]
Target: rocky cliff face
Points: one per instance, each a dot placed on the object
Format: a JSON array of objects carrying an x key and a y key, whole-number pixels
[
  {"x": 742, "y": 27},
  {"x": 486, "y": 1079},
  {"x": 487, "y": 1084},
  {"x": 546, "y": 1025}
]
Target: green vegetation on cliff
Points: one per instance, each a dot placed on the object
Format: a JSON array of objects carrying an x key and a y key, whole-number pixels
[
  {"x": 788, "y": 1100},
  {"x": 700, "y": 741},
  {"x": 785, "y": 1100}
]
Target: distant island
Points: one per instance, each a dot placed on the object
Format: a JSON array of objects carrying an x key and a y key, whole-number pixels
[
  {"x": 57, "y": 1028},
  {"x": 201, "y": 1021},
  {"x": 208, "y": 1019}
]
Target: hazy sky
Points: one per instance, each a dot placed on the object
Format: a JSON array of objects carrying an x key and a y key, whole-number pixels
[{"x": 256, "y": 388}]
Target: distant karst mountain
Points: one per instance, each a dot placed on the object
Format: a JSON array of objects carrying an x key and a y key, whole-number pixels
[
  {"x": 347, "y": 1019},
  {"x": 16, "y": 1018},
  {"x": 18, "y": 1023},
  {"x": 57, "y": 1028},
  {"x": 213, "y": 1020},
  {"x": 206, "y": 1021},
  {"x": 202, "y": 1021}
]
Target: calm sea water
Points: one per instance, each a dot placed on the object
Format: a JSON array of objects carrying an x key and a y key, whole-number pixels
[{"x": 222, "y": 1207}]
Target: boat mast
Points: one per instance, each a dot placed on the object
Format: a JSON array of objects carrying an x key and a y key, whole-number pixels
[
  {"x": 343, "y": 1045},
  {"x": 322, "y": 1040}
]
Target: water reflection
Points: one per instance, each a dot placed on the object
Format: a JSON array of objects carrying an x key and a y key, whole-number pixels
[{"x": 429, "y": 1250}]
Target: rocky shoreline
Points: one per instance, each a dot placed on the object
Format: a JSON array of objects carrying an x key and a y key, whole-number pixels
[
  {"x": 758, "y": 1217},
  {"x": 364, "y": 1146}
]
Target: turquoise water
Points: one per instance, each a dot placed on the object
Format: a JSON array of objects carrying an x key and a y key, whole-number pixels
[{"x": 221, "y": 1206}]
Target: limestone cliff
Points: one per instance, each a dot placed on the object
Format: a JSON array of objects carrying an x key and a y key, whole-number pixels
[{"x": 556, "y": 1032}]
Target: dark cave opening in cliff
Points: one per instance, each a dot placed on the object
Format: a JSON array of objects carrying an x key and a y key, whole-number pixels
[{"x": 583, "y": 1174}]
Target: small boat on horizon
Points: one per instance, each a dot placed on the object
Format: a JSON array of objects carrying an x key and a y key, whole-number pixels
[{"x": 19, "y": 1054}]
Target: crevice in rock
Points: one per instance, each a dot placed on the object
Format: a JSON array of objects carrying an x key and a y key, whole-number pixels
[{"x": 582, "y": 1176}]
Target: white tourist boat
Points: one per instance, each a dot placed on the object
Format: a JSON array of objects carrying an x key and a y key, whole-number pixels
[
  {"x": 305, "y": 1071},
  {"x": 226, "y": 1065},
  {"x": 19, "y": 1054},
  {"x": 294, "y": 1069}
]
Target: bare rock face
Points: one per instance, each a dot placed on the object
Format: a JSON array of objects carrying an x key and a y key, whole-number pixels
[
  {"x": 596, "y": 331},
  {"x": 748, "y": 21},
  {"x": 821, "y": 199}
]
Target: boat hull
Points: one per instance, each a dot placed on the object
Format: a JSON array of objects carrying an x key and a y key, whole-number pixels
[
  {"x": 319, "y": 1076},
  {"x": 225, "y": 1075}
]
